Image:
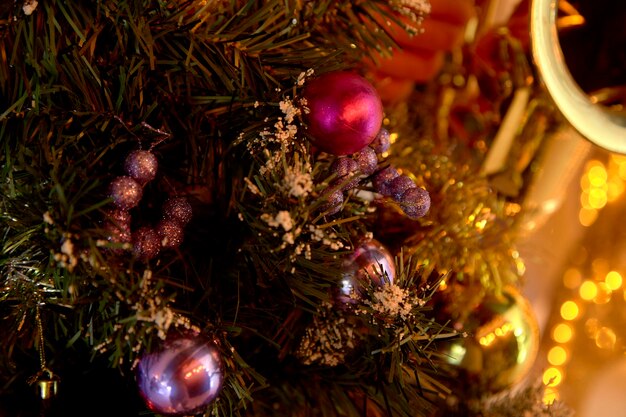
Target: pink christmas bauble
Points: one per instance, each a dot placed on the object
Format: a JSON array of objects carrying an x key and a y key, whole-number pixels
[
  {"x": 345, "y": 112},
  {"x": 370, "y": 262},
  {"x": 182, "y": 377}
]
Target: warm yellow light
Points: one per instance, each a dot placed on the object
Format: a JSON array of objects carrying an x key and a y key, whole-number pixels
[
  {"x": 613, "y": 280},
  {"x": 572, "y": 278},
  {"x": 588, "y": 290},
  {"x": 606, "y": 338},
  {"x": 604, "y": 294},
  {"x": 597, "y": 175},
  {"x": 569, "y": 310},
  {"x": 584, "y": 200},
  {"x": 584, "y": 183},
  {"x": 616, "y": 189},
  {"x": 597, "y": 198},
  {"x": 587, "y": 216},
  {"x": 443, "y": 285},
  {"x": 557, "y": 356},
  {"x": 552, "y": 377},
  {"x": 550, "y": 395},
  {"x": 393, "y": 137},
  {"x": 562, "y": 333}
]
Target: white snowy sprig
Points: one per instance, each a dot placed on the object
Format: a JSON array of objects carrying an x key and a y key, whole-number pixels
[
  {"x": 390, "y": 304},
  {"x": 328, "y": 339}
]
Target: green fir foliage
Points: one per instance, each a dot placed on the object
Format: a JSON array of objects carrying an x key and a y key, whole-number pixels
[{"x": 201, "y": 85}]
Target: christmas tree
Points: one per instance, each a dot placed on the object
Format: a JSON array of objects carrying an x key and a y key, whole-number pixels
[{"x": 206, "y": 209}]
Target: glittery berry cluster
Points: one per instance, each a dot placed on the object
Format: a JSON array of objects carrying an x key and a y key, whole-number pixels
[{"x": 126, "y": 193}]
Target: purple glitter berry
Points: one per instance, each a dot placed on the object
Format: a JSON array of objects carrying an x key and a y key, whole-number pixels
[
  {"x": 177, "y": 209},
  {"x": 367, "y": 160},
  {"x": 399, "y": 185},
  {"x": 141, "y": 166},
  {"x": 381, "y": 142},
  {"x": 125, "y": 192},
  {"x": 333, "y": 202},
  {"x": 415, "y": 202},
  {"x": 383, "y": 179},
  {"x": 346, "y": 170},
  {"x": 146, "y": 243},
  {"x": 171, "y": 233}
]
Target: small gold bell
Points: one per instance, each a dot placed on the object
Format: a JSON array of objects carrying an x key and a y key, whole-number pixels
[{"x": 46, "y": 384}]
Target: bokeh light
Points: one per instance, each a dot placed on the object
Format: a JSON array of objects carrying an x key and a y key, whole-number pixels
[
  {"x": 588, "y": 290},
  {"x": 557, "y": 356},
  {"x": 613, "y": 280},
  {"x": 569, "y": 310},
  {"x": 562, "y": 333},
  {"x": 552, "y": 377}
]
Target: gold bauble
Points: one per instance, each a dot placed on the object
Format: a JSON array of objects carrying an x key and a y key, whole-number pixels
[{"x": 500, "y": 347}]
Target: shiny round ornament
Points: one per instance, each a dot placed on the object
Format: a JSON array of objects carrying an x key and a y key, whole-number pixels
[
  {"x": 345, "y": 112},
  {"x": 171, "y": 233},
  {"x": 146, "y": 243},
  {"x": 125, "y": 192},
  {"x": 183, "y": 377},
  {"x": 141, "y": 166},
  {"x": 177, "y": 209},
  {"x": 501, "y": 346},
  {"x": 371, "y": 262}
]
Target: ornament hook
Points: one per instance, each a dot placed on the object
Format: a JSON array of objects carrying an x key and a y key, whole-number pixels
[{"x": 598, "y": 124}]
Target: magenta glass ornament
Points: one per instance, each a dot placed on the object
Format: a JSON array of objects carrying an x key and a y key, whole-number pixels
[
  {"x": 125, "y": 192},
  {"x": 345, "y": 112},
  {"x": 183, "y": 377},
  {"x": 370, "y": 262},
  {"x": 141, "y": 166}
]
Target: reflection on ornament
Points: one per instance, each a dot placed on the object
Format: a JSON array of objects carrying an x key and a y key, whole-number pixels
[
  {"x": 370, "y": 262},
  {"x": 183, "y": 377},
  {"x": 502, "y": 343}
]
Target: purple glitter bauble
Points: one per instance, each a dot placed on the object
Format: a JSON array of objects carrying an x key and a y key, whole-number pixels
[
  {"x": 177, "y": 209},
  {"x": 333, "y": 202},
  {"x": 345, "y": 112},
  {"x": 141, "y": 166},
  {"x": 381, "y": 142},
  {"x": 370, "y": 262},
  {"x": 382, "y": 180},
  {"x": 399, "y": 185},
  {"x": 183, "y": 377},
  {"x": 415, "y": 202},
  {"x": 125, "y": 192},
  {"x": 346, "y": 170},
  {"x": 171, "y": 233},
  {"x": 146, "y": 243},
  {"x": 367, "y": 160},
  {"x": 117, "y": 224}
]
